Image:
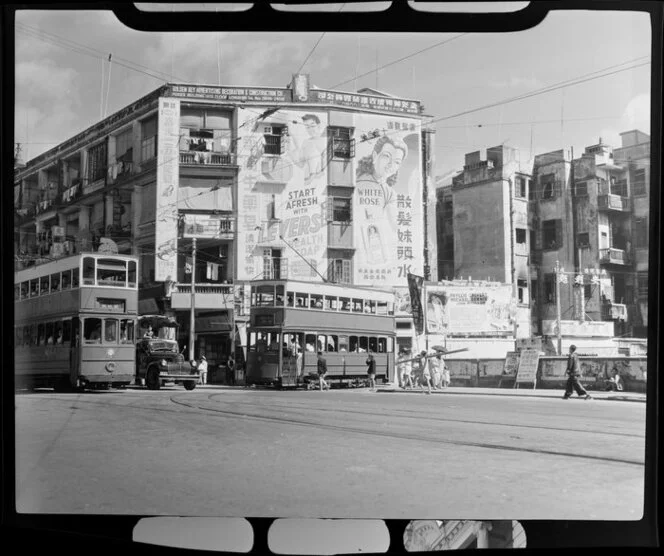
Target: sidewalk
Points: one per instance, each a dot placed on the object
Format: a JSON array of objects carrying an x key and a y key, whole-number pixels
[{"x": 521, "y": 392}]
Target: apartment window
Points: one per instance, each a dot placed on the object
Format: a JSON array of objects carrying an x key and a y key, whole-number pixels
[
  {"x": 97, "y": 160},
  {"x": 341, "y": 142},
  {"x": 521, "y": 236},
  {"x": 339, "y": 271},
  {"x": 548, "y": 186},
  {"x": 274, "y": 143},
  {"x": 549, "y": 288},
  {"x": 340, "y": 210},
  {"x": 533, "y": 239},
  {"x": 448, "y": 210},
  {"x": 552, "y": 234},
  {"x": 641, "y": 232},
  {"x": 124, "y": 146},
  {"x": 581, "y": 189},
  {"x": 588, "y": 291},
  {"x": 205, "y": 129},
  {"x": 149, "y": 139},
  {"x": 521, "y": 187},
  {"x": 618, "y": 187},
  {"x": 522, "y": 289},
  {"x": 583, "y": 240},
  {"x": 639, "y": 187}
]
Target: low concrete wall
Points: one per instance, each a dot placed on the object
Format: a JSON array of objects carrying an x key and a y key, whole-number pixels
[{"x": 595, "y": 371}]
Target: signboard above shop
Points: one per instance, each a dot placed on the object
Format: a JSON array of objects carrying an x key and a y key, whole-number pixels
[{"x": 300, "y": 92}]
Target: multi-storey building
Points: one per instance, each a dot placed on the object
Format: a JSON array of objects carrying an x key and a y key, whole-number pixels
[
  {"x": 221, "y": 186},
  {"x": 482, "y": 220},
  {"x": 585, "y": 217}
]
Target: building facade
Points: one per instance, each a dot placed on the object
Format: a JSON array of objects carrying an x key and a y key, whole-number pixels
[
  {"x": 216, "y": 187},
  {"x": 570, "y": 234}
]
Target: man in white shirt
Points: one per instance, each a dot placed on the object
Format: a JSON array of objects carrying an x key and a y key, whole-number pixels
[{"x": 203, "y": 369}]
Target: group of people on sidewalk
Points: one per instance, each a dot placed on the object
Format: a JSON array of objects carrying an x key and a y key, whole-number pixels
[
  {"x": 435, "y": 373},
  {"x": 202, "y": 367}
]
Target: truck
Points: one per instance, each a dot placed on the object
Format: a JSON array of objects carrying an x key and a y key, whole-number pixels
[{"x": 158, "y": 359}]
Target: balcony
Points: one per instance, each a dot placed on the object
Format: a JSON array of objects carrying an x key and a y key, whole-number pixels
[
  {"x": 199, "y": 158},
  {"x": 206, "y": 296},
  {"x": 613, "y": 202},
  {"x": 614, "y": 311},
  {"x": 340, "y": 235},
  {"x": 613, "y": 256}
]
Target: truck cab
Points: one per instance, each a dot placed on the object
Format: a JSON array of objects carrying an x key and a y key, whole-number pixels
[{"x": 158, "y": 359}]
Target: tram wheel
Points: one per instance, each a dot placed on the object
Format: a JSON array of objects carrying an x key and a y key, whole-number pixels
[
  {"x": 152, "y": 380},
  {"x": 189, "y": 384}
]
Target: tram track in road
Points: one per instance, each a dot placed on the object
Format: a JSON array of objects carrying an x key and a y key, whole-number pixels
[
  {"x": 417, "y": 414},
  {"x": 409, "y": 435}
]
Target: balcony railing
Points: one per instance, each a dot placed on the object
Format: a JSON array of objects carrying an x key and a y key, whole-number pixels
[
  {"x": 612, "y": 202},
  {"x": 196, "y": 158},
  {"x": 219, "y": 289},
  {"x": 207, "y": 296},
  {"x": 613, "y": 256}
]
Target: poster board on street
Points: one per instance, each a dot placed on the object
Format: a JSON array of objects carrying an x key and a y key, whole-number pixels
[
  {"x": 527, "y": 371},
  {"x": 511, "y": 363}
]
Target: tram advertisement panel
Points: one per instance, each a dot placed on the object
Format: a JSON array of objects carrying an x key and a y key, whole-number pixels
[
  {"x": 281, "y": 194},
  {"x": 460, "y": 309},
  {"x": 387, "y": 206}
]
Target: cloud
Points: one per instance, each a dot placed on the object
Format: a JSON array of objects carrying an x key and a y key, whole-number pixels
[{"x": 637, "y": 113}]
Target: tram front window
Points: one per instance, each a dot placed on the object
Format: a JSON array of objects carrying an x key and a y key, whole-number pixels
[
  {"x": 111, "y": 331},
  {"x": 92, "y": 331}
]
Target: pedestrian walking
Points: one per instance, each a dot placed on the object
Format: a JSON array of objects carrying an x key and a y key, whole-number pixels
[
  {"x": 371, "y": 370},
  {"x": 573, "y": 372},
  {"x": 322, "y": 371},
  {"x": 203, "y": 369},
  {"x": 446, "y": 374},
  {"x": 230, "y": 370},
  {"x": 405, "y": 367},
  {"x": 426, "y": 371},
  {"x": 436, "y": 374}
]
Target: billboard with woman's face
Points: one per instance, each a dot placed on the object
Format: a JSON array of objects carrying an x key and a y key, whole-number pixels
[{"x": 387, "y": 204}]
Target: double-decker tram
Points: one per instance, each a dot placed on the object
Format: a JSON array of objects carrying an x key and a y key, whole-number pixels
[
  {"x": 289, "y": 325},
  {"x": 75, "y": 322}
]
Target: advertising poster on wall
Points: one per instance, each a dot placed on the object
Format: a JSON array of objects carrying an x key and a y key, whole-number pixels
[
  {"x": 281, "y": 194},
  {"x": 387, "y": 205},
  {"x": 461, "y": 309},
  {"x": 166, "y": 227}
]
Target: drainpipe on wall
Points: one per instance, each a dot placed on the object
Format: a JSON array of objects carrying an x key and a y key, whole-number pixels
[{"x": 510, "y": 185}]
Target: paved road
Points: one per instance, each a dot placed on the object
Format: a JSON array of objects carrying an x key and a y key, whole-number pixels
[{"x": 348, "y": 453}]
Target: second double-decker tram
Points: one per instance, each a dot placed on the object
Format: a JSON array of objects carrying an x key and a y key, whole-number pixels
[
  {"x": 290, "y": 322},
  {"x": 75, "y": 322}
]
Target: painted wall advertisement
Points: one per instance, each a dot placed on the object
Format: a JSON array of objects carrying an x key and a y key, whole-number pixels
[
  {"x": 166, "y": 227},
  {"x": 387, "y": 206},
  {"x": 461, "y": 309},
  {"x": 282, "y": 197}
]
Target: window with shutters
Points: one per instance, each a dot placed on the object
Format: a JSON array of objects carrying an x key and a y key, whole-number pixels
[
  {"x": 340, "y": 210},
  {"x": 97, "y": 162},
  {"x": 642, "y": 285},
  {"x": 341, "y": 142},
  {"x": 521, "y": 187},
  {"x": 521, "y": 236},
  {"x": 274, "y": 139},
  {"x": 149, "y": 139},
  {"x": 639, "y": 187},
  {"x": 124, "y": 146},
  {"x": 551, "y": 235},
  {"x": 522, "y": 289},
  {"x": 339, "y": 271}
]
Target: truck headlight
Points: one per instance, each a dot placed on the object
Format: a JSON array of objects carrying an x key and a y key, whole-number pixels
[{"x": 163, "y": 363}]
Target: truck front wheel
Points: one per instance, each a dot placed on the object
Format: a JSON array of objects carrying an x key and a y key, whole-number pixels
[
  {"x": 152, "y": 380},
  {"x": 189, "y": 384}
]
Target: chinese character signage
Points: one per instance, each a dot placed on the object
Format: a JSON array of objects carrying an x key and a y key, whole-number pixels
[
  {"x": 387, "y": 206},
  {"x": 415, "y": 288},
  {"x": 166, "y": 227},
  {"x": 365, "y": 102}
]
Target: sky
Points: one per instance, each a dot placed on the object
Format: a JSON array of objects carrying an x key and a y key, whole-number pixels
[{"x": 65, "y": 83}]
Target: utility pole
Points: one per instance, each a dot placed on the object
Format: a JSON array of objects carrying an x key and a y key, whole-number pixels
[
  {"x": 558, "y": 329},
  {"x": 192, "y": 325}
]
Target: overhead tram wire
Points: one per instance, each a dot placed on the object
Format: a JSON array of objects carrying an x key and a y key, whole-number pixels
[
  {"x": 94, "y": 53},
  {"x": 317, "y": 43}
]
